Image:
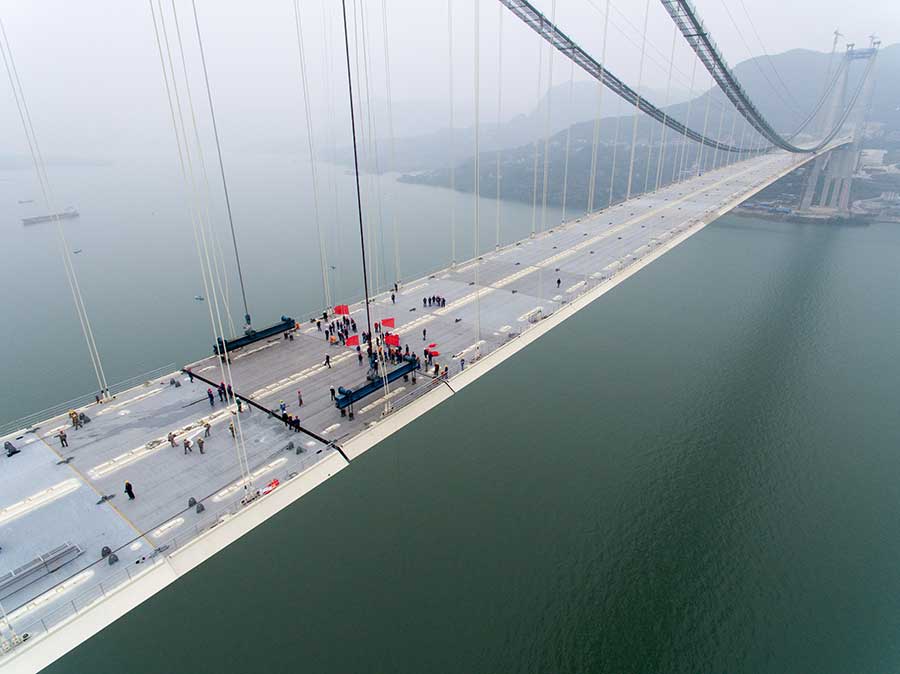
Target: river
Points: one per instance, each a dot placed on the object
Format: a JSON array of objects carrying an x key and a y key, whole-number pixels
[{"x": 697, "y": 473}]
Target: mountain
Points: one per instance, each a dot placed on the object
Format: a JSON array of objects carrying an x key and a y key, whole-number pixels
[
  {"x": 422, "y": 151},
  {"x": 803, "y": 73}
]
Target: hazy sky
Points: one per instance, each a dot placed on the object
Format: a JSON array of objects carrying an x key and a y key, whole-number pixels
[{"x": 92, "y": 74}]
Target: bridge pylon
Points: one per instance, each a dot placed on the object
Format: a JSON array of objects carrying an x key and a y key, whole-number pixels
[{"x": 835, "y": 169}]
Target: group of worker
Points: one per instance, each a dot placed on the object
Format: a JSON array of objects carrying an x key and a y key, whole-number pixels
[
  {"x": 338, "y": 330},
  {"x": 434, "y": 301}
]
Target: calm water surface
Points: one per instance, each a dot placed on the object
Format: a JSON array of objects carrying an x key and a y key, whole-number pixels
[{"x": 699, "y": 473}]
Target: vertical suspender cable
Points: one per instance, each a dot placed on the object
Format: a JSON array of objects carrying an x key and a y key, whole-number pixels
[
  {"x": 592, "y": 179},
  {"x": 47, "y": 194},
  {"x": 371, "y": 143},
  {"x": 477, "y": 174},
  {"x": 592, "y": 188},
  {"x": 313, "y": 168},
  {"x": 240, "y": 445},
  {"x": 194, "y": 209},
  {"x": 662, "y": 142},
  {"x": 718, "y": 136},
  {"x": 390, "y": 116},
  {"x": 534, "y": 165},
  {"x": 362, "y": 235},
  {"x": 212, "y": 116},
  {"x": 546, "y": 171},
  {"x": 709, "y": 94},
  {"x": 337, "y": 280},
  {"x": 649, "y": 157},
  {"x": 452, "y": 144},
  {"x": 217, "y": 256},
  {"x": 568, "y": 141},
  {"x": 499, "y": 109},
  {"x": 376, "y": 237},
  {"x": 637, "y": 111},
  {"x": 679, "y": 164},
  {"x": 612, "y": 172},
  {"x": 729, "y": 157},
  {"x": 744, "y": 126}
]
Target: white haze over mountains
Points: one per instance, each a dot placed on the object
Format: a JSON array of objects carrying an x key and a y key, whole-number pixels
[{"x": 92, "y": 75}]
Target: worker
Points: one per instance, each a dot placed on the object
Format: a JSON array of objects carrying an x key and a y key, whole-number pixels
[
  {"x": 129, "y": 490},
  {"x": 282, "y": 407},
  {"x": 328, "y": 360},
  {"x": 333, "y": 393},
  {"x": 206, "y": 429},
  {"x": 231, "y": 428},
  {"x": 558, "y": 282},
  {"x": 299, "y": 398},
  {"x": 171, "y": 438},
  {"x": 212, "y": 398},
  {"x": 187, "y": 445},
  {"x": 63, "y": 440},
  {"x": 200, "y": 443}
]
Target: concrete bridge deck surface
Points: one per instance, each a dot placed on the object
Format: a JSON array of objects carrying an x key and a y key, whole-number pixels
[{"x": 45, "y": 502}]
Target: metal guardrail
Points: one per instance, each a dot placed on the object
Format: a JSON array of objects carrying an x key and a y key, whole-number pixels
[
  {"x": 85, "y": 598},
  {"x": 30, "y": 420},
  {"x": 165, "y": 546}
]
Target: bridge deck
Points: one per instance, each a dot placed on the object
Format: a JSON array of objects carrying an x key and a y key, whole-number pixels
[{"x": 512, "y": 283}]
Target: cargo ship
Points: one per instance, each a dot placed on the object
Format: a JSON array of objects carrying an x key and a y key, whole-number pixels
[{"x": 68, "y": 213}]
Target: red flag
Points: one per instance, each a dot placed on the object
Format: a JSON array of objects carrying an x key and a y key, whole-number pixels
[
  {"x": 342, "y": 310},
  {"x": 393, "y": 340},
  {"x": 431, "y": 346},
  {"x": 387, "y": 322},
  {"x": 353, "y": 340},
  {"x": 435, "y": 354}
]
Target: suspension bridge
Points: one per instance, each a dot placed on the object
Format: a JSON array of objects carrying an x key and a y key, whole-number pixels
[{"x": 299, "y": 401}]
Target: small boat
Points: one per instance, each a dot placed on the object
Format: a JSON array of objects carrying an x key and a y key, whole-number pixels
[
  {"x": 26, "y": 201},
  {"x": 199, "y": 298},
  {"x": 66, "y": 214},
  {"x": 75, "y": 252}
]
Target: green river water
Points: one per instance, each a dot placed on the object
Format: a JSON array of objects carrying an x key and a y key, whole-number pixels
[{"x": 698, "y": 473}]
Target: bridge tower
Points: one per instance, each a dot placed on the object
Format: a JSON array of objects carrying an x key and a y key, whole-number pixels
[{"x": 835, "y": 169}]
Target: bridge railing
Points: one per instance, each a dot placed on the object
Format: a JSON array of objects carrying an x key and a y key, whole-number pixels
[
  {"x": 26, "y": 422},
  {"x": 110, "y": 579}
]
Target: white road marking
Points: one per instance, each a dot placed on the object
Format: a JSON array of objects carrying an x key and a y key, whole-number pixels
[
  {"x": 168, "y": 526},
  {"x": 419, "y": 322},
  {"x": 514, "y": 277},
  {"x": 142, "y": 452},
  {"x": 109, "y": 407},
  {"x": 383, "y": 399},
  {"x": 258, "y": 348},
  {"x": 259, "y": 472},
  {"x": 413, "y": 289},
  {"x": 39, "y": 499},
  {"x": 467, "y": 299},
  {"x": 526, "y": 316},
  {"x": 469, "y": 348}
]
